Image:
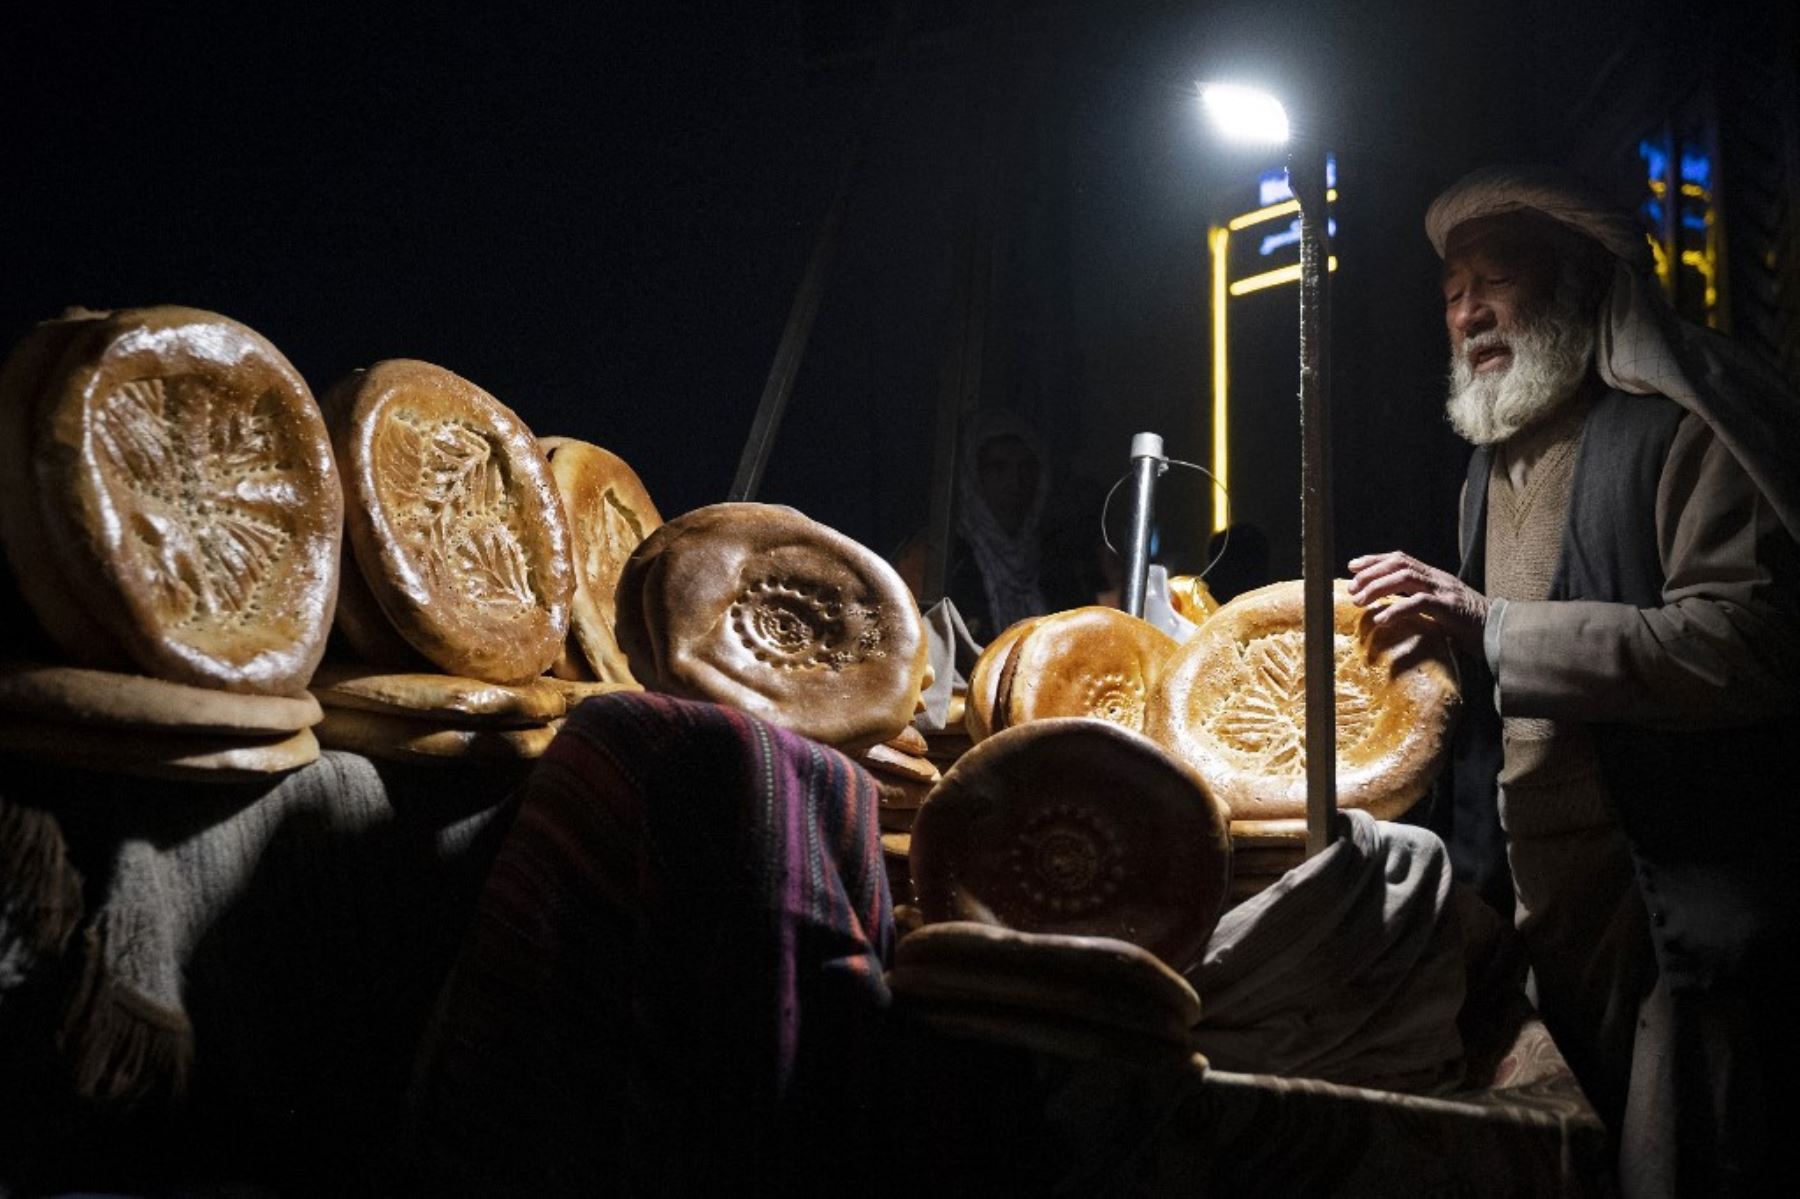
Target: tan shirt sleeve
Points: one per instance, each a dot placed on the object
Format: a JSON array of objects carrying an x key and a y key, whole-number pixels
[{"x": 1722, "y": 649}]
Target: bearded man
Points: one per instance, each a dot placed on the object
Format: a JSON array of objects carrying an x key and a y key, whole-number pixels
[{"x": 1628, "y": 607}]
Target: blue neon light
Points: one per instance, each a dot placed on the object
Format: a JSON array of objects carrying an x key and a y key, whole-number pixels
[
  {"x": 1290, "y": 236},
  {"x": 1272, "y": 186}
]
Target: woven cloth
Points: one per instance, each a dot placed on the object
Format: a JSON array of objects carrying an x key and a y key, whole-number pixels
[
  {"x": 241, "y": 987},
  {"x": 674, "y": 978},
  {"x": 1349, "y": 969}
]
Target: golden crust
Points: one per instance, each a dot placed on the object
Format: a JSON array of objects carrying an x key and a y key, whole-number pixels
[
  {"x": 759, "y": 608},
  {"x": 187, "y": 483},
  {"x": 1075, "y": 826},
  {"x": 1232, "y": 704},
  {"x": 609, "y": 514},
  {"x": 403, "y": 739},
  {"x": 1097, "y": 662},
  {"x": 183, "y": 755},
  {"x": 438, "y": 697},
  {"x": 885, "y": 760},
  {"x": 984, "y": 680},
  {"x": 28, "y": 371},
  {"x": 910, "y": 741},
  {"x": 453, "y": 519},
  {"x": 104, "y": 698}
]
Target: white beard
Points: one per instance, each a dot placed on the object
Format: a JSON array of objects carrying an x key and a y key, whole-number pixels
[{"x": 1551, "y": 355}]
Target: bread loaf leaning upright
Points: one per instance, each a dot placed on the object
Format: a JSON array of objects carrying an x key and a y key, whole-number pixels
[
  {"x": 453, "y": 520},
  {"x": 189, "y": 498}
]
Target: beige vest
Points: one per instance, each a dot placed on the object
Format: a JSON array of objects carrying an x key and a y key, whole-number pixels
[{"x": 1550, "y": 775}]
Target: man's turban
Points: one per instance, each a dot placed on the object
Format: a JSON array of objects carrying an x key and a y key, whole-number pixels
[{"x": 1644, "y": 348}]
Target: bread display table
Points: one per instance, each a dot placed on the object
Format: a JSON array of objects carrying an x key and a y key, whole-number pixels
[{"x": 295, "y": 936}]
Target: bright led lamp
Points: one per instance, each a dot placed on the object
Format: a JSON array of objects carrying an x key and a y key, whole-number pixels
[{"x": 1245, "y": 114}]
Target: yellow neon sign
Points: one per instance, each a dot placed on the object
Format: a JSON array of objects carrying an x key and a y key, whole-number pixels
[{"x": 1218, "y": 241}]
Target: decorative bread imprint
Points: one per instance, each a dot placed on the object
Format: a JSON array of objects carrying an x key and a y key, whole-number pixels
[
  {"x": 762, "y": 609},
  {"x": 1096, "y": 662},
  {"x": 609, "y": 514},
  {"x": 1075, "y": 826},
  {"x": 454, "y": 520},
  {"x": 187, "y": 482},
  {"x": 1233, "y": 704}
]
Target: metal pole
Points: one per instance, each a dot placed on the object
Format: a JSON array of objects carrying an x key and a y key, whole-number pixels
[
  {"x": 1146, "y": 464},
  {"x": 1306, "y": 175}
]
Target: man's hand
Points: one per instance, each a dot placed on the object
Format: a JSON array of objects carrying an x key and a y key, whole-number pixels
[{"x": 1423, "y": 590}]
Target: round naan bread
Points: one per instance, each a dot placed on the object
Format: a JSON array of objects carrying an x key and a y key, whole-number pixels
[
  {"x": 186, "y": 481},
  {"x": 1097, "y": 662},
  {"x": 984, "y": 679},
  {"x": 453, "y": 519},
  {"x": 609, "y": 514},
  {"x": 1232, "y": 703},
  {"x": 1075, "y": 826},
  {"x": 757, "y": 607}
]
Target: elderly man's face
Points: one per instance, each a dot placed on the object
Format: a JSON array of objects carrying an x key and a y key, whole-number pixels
[
  {"x": 1521, "y": 334},
  {"x": 1497, "y": 275}
]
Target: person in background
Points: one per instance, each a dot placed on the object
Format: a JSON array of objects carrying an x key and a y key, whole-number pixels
[
  {"x": 1628, "y": 611},
  {"x": 996, "y": 552}
]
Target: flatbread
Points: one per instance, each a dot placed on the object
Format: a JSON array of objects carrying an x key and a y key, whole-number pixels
[
  {"x": 398, "y": 738},
  {"x": 884, "y": 760},
  {"x": 1095, "y": 661},
  {"x": 759, "y": 608},
  {"x": 609, "y": 514},
  {"x": 192, "y": 757},
  {"x": 453, "y": 519},
  {"x": 573, "y": 692},
  {"x": 1232, "y": 703},
  {"x": 187, "y": 485},
  {"x": 1079, "y": 827},
  {"x": 984, "y": 679},
  {"x": 438, "y": 697},
  {"x": 1082, "y": 996},
  {"x": 106, "y": 699},
  {"x": 28, "y": 370},
  {"x": 909, "y": 741}
]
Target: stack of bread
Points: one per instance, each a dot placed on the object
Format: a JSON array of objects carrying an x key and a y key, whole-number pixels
[
  {"x": 1067, "y": 871},
  {"x": 172, "y": 517},
  {"x": 904, "y": 775},
  {"x": 1230, "y": 703},
  {"x": 458, "y": 585}
]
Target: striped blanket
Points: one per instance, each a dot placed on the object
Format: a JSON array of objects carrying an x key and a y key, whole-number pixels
[{"x": 674, "y": 978}]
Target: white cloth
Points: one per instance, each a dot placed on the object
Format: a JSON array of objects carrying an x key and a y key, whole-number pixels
[
  {"x": 1008, "y": 562},
  {"x": 1349, "y": 969},
  {"x": 1644, "y": 348}
]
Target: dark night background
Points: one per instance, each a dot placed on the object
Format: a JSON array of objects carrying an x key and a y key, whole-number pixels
[{"x": 602, "y": 217}]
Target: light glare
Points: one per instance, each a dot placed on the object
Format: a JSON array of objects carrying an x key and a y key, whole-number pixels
[{"x": 1245, "y": 114}]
